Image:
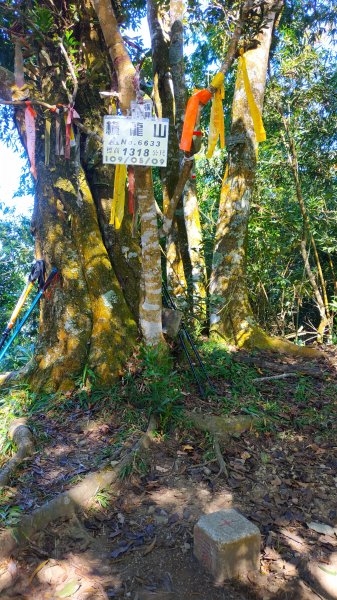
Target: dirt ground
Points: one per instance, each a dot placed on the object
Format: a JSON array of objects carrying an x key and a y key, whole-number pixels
[{"x": 136, "y": 541}]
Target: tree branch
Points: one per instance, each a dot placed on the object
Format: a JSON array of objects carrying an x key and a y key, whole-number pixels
[
  {"x": 187, "y": 165},
  {"x": 72, "y": 72}
]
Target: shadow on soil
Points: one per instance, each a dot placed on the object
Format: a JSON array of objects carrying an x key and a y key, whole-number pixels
[{"x": 136, "y": 541}]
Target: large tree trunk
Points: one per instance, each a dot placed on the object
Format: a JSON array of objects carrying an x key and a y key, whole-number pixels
[
  {"x": 150, "y": 307},
  {"x": 85, "y": 320},
  {"x": 231, "y": 314}
]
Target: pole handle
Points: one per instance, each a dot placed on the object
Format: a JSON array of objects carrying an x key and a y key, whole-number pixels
[{"x": 50, "y": 278}]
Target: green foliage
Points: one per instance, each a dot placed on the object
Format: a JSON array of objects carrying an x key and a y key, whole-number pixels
[
  {"x": 302, "y": 84},
  {"x": 161, "y": 390},
  {"x": 42, "y": 18},
  {"x": 16, "y": 257},
  {"x": 9, "y": 515},
  {"x": 70, "y": 42}
]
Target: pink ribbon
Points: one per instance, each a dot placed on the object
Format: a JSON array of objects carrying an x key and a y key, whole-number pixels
[
  {"x": 72, "y": 114},
  {"x": 30, "y": 116}
]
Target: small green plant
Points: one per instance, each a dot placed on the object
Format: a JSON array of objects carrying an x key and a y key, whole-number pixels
[
  {"x": 103, "y": 499},
  {"x": 161, "y": 385},
  {"x": 10, "y": 515},
  {"x": 126, "y": 471},
  {"x": 304, "y": 390}
]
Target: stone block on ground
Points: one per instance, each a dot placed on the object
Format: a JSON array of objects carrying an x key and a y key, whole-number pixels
[{"x": 227, "y": 544}]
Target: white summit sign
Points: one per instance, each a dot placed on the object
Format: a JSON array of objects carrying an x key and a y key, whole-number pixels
[{"x": 135, "y": 140}]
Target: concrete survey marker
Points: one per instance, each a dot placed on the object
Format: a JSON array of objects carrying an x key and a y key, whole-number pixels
[{"x": 227, "y": 544}]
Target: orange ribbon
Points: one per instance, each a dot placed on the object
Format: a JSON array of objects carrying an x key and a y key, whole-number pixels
[{"x": 198, "y": 99}]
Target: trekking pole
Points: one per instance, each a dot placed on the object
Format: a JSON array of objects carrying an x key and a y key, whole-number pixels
[
  {"x": 189, "y": 337},
  {"x": 28, "y": 313},
  {"x": 36, "y": 274},
  {"x": 188, "y": 356},
  {"x": 197, "y": 354},
  {"x": 27, "y": 289},
  {"x": 169, "y": 301}
]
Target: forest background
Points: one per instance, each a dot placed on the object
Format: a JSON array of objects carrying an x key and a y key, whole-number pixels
[{"x": 244, "y": 238}]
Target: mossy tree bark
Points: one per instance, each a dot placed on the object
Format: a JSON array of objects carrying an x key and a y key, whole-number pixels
[
  {"x": 196, "y": 251},
  {"x": 85, "y": 320},
  {"x": 150, "y": 307},
  {"x": 231, "y": 315}
]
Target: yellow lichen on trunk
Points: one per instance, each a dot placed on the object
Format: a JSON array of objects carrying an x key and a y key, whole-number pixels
[
  {"x": 231, "y": 316},
  {"x": 195, "y": 248},
  {"x": 85, "y": 319},
  {"x": 113, "y": 328},
  {"x": 66, "y": 317},
  {"x": 176, "y": 280}
]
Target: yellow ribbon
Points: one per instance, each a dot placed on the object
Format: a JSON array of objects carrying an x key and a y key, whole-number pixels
[
  {"x": 217, "y": 122},
  {"x": 118, "y": 200},
  {"x": 47, "y": 141},
  {"x": 253, "y": 108}
]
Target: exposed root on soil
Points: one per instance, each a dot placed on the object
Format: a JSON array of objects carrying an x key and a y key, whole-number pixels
[
  {"x": 79, "y": 496},
  {"x": 23, "y": 439},
  {"x": 318, "y": 371},
  {"x": 9, "y": 378},
  {"x": 252, "y": 337},
  {"x": 220, "y": 426},
  {"x": 220, "y": 459},
  {"x": 257, "y": 339}
]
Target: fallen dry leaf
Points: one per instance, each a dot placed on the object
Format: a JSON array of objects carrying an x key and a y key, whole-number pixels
[
  {"x": 38, "y": 568},
  {"x": 150, "y": 547}
]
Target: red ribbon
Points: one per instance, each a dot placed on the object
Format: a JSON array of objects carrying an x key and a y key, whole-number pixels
[
  {"x": 30, "y": 108},
  {"x": 72, "y": 114},
  {"x": 131, "y": 190},
  {"x": 68, "y": 131}
]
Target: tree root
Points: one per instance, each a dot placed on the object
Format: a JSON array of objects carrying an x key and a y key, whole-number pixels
[
  {"x": 23, "y": 438},
  {"x": 8, "y": 378},
  {"x": 252, "y": 337},
  {"x": 256, "y": 338},
  {"x": 14, "y": 378},
  {"x": 219, "y": 457},
  {"x": 274, "y": 377},
  {"x": 220, "y": 426},
  {"x": 66, "y": 503},
  {"x": 311, "y": 370}
]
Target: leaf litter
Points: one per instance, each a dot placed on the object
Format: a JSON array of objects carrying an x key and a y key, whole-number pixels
[{"x": 281, "y": 476}]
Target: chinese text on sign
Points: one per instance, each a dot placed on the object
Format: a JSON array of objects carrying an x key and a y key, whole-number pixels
[{"x": 133, "y": 141}]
